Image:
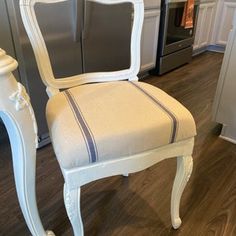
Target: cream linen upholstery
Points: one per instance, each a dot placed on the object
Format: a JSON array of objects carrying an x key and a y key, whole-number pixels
[{"x": 102, "y": 121}]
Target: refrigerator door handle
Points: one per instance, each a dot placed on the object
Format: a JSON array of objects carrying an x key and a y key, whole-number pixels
[
  {"x": 78, "y": 19},
  {"x": 87, "y": 19}
]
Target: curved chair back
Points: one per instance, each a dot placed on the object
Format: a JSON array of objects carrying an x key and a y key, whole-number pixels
[{"x": 42, "y": 56}]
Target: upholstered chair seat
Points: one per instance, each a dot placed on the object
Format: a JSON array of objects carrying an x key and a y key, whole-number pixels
[{"x": 103, "y": 121}]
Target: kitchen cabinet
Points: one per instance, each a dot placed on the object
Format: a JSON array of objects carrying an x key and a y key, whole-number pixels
[
  {"x": 225, "y": 13},
  {"x": 149, "y": 39},
  {"x": 214, "y": 24},
  {"x": 205, "y": 23},
  {"x": 224, "y": 109}
]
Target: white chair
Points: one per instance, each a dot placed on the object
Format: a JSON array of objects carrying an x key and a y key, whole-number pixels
[
  {"x": 18, "y": 116},
  {"x": 114, "y": 127}
]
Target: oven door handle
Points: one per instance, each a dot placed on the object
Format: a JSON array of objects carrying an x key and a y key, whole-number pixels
[
  {"x": 78, "y": 20},
  {"x": 175, "y": 1},
  {"x": 196, "y": 2}
]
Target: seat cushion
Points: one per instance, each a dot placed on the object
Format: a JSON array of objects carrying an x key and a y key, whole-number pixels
[{"x": 103, "y": 121}]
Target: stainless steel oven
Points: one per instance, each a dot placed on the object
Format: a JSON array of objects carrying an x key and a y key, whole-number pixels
[{"x": 175, "y": 41}]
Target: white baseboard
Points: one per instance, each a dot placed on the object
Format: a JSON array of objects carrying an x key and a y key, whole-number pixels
[
  {"x": 199, "y": 51},
  {"x": 228, "y": 133},
  {"x": 228, "y": 139},
  {"x": 216, "y": 48},
  {"x": 211, "y": 48}
]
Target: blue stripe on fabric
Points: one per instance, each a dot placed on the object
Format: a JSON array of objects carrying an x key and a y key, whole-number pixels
[
  {"x": 174, "y": 120},
  {"x": 87, "y": 134},
  {"x": 78, "y": 124}
]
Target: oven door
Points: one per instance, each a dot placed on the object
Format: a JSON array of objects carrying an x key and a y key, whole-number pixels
[{"x": 176, "y": 37}]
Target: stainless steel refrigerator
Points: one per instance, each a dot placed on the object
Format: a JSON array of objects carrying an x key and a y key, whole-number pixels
[{"x": 81, "y": 36}]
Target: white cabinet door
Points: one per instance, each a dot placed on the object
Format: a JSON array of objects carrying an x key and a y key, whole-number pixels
[
  {"x": 149, "y": 39},
  {"x": 199, "y": 27},
  {"x": 204, "y": 25},
  {"x": 224, "y": 109},
  {"x": 225, "y": 22},
  {"x": 206, "y": 31}
]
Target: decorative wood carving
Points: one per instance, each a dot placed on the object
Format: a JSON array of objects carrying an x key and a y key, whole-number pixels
[
  {"x": 20, "y": 97},
  {"x": 72, "y": 203},
  {"x": 184, "y": 170},
  {"x": 22, "y": 100},
  {"x": 71, "y": 211}
]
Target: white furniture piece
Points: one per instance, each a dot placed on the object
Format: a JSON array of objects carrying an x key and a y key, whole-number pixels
[
  {"x": 150, "y": 33},
  {"x": 205, "y": 23},
  {"x": 224, "y": 109},
  {"x": 224, "y": 21},
  {"x": 17, "y": 115},
  {"x": 214, "y": 23},
  {"x": 101, "y": 124}
]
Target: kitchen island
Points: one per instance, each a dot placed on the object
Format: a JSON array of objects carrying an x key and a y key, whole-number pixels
[{"x": 224, "y": 110}]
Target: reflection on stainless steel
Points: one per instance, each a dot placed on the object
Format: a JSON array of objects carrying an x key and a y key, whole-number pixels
[
  {"x": 80, "y": 38},
  {"x": 175, "y": 42}
]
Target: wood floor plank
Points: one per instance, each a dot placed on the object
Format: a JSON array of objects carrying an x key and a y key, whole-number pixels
[{"x": 140, "y": 204}]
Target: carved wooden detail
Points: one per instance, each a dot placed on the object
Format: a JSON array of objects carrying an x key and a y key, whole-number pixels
[
  {"x": 70, "y": 207},
  {"x": 184, "y": 170},
  {"x": 72, "y": 203},
  {"x": 22, "y": 100}
]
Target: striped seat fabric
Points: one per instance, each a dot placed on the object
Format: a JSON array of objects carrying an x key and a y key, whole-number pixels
[{"x": 102, "y": 121}]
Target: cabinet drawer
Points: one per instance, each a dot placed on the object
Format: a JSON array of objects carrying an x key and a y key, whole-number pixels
[{"x": 148, "y": 4}]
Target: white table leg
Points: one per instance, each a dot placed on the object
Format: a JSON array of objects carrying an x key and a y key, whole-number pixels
[{"x": 18, "y": 117}]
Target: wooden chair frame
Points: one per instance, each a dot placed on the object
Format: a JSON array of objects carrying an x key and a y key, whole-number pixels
[
  {"x": 15, "y": 110},
  {"x": 42, "y": 57}
]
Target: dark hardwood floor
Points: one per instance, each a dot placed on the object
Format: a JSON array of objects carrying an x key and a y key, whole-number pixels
[{"x": 140, "y": 204}]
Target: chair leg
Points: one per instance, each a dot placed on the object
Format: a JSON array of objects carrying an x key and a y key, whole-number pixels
[
  {"x": 72, "y": 203},
  {"x": 184, "y": 170}
]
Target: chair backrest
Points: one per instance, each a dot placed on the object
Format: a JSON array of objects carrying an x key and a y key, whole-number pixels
[{"x": 42, "y": 56}]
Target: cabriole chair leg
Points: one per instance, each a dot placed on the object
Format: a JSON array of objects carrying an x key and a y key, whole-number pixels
[
  {"x": 184, "y": 170},
  {"x": 72, "y": 203}
]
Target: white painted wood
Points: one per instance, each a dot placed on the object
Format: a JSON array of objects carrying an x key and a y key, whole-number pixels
[
  {"x": 225, "y": 18},
  {"x": 198, "y": 27},
  {"x": 149, "y": 39},
  {"x": 16, "y": 112},
  {"x": 72, "y": 203},
  {"x": 150, "y": 4},
  {"x": 77, "y": 177},
  {"x": 232, "y": 140},
  {"x": 184, "y": 170},
  {"x": 206, "y": 30},
  {"x": 204, "y": 25},
  {"x": 224, "y": 110},
  {"x": 42, "y": 57},
  {"x": 228, "y": 133}
]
